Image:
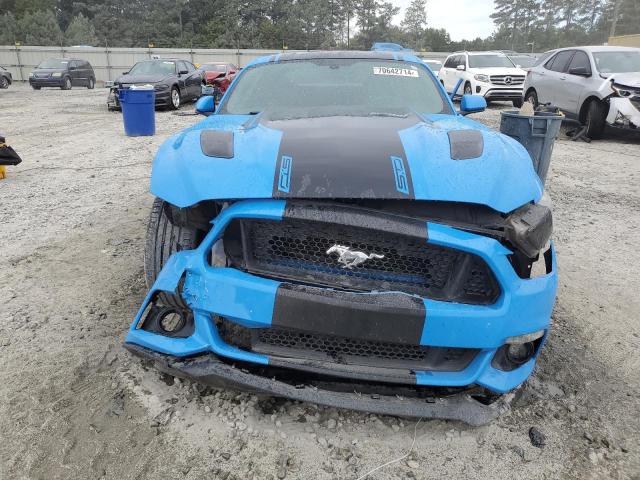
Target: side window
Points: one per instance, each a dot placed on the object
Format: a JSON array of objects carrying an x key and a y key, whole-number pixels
[
  {"x": 190, "y": 67},
  {"x": 181, "y": 66},
  {"x": 580, "y": 60},
  {"x": 448, "y": 62},
  {"x": 72, "y": 64},
  {"x": 559, "y": 62}
]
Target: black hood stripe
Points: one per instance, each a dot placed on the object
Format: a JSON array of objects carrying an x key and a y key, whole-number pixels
[{"x": 342, "y": 157}]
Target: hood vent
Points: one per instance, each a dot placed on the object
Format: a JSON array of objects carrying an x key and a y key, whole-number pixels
[
  {"x": 217, "y": 143},
  {"x": 466, "y": 144}
]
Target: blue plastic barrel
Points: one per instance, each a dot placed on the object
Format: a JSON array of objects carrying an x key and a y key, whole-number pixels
[{"x": 138, "y": 111}]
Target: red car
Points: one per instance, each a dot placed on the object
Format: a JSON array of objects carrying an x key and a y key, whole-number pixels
[{"x": 219, "y": 75}]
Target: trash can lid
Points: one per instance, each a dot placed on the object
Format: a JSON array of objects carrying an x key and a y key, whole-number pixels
[{"x": 148, "y": 86}]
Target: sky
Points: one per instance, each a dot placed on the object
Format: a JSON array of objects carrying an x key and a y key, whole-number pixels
[{"x": 463, "y": 19}]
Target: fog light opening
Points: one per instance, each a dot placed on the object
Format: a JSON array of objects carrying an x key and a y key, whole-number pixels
[
  {"x": 171, "y": 321},
  {"x": 520, "y": 353}
]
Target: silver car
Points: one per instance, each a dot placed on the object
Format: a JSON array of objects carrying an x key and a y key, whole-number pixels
[{"x": 598, "y": 86}]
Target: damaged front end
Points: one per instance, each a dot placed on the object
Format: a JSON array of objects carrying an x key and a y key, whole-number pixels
[
  {"x": 447, "y": 315},
  {"x": 624, "y": 103}
]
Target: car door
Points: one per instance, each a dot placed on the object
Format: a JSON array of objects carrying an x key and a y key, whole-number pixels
[
  {"x": 574, "y": 82},
  {"x": 452, "y": 72},
  {"x": 182, "y": 78},
  {"x": 194, "y": 80},
  {"x": 75, "y": 73},
  {"x": 548, "y": 80},
  {"x": 444, "y": 71}
]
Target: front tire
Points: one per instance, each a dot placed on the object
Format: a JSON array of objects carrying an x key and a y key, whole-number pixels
[
  {"x": 595, "y": 120},
  {"x": 175, "y": 98},
  {"x": 517, "y": 103},
  {"x": 66, "y": 84},
  {"x": 532, "y": 98},
  {"x": 4, "y": 82},
  {"x": 92, "y": 83},
  {"x": 467, "y": 89},
  {"x": 35, "y": 87},
  {"x": 163, "y": 240}
]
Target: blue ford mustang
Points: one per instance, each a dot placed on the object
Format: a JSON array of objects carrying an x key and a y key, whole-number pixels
[{"x": 337, "y": 233}]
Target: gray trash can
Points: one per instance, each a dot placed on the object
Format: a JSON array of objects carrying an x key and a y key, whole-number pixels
[{"x": 537, "y": 133}]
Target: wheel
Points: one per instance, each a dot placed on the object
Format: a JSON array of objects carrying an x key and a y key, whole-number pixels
[
  {"x": 91, "y": 84},
  {"x": 66, "y": 84},
  {"x": 596, "y": 115},
  {"x": 35, "y": 87},
  {"x": 467, "y": 89},
  {"x": 175, "y": 98},
  {"x": 532, "y": 98},
  {"x": 164, "y": 239},
  {"x": 4, "y": 82},
  {"x": 517, "y": 103}
]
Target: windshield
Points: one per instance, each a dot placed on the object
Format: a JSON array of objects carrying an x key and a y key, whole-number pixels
[
  {"x": 435, "y": 66},
  {"x": 489, "y": 61},
  {"x": 213, "y": 68},
  {"x": 524, "y": 61},
  {"x": 153, "y": 68},
  {"x": 617, "y": 62},
  {"x": 332, "y": 87},
  {"x": 53, "y": 64}
]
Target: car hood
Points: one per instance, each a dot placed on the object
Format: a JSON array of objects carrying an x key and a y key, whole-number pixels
[
  {"x": 631, "y": 79},
  {"x": 49, "y": 70},
  {"x": 141, "y": 78},
  {"x": 415, "y": 157},
  {"x": 499, "y": 71}
]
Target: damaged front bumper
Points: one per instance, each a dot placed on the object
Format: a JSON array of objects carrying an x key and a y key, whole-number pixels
[
  {"x": 624, "y": 112},
  {"x": 462, "y": 343}
]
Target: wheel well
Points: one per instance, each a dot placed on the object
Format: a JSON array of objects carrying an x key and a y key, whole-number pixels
[
  {"x": 582, "y": 115},
  {"x": 531, "y": 89}
]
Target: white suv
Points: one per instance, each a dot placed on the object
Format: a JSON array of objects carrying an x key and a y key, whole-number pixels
[{"x": 490, "y": 74}]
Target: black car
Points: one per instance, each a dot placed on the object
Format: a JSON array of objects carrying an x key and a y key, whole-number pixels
[
  {"x": 5, "y": 78},
  {"x": 175, "y": 81},
  {"x": 63, "y": 73}
]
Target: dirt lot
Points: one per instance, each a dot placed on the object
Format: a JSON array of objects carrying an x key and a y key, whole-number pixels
[{"x": 75, "y": 405}]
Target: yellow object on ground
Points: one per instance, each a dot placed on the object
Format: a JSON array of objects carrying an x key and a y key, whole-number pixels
[{"x": 2, "y": 172}]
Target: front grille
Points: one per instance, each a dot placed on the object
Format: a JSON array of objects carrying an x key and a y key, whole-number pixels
[
  {"x": 504, "y": 80},
  {"x": 294, "y": 249},
  {"x": 287, "y": 343}
]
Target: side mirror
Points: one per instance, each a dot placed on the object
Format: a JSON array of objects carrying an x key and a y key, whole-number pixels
[
  {"x": 183, "y": 72},
  {"x": 580, "y": 71},
  {"x": 71, "y": 67},
  {"x": 205, "y": 105},
  {"x": 472, "y": 104},
  {"x": 461, "y": 68}
]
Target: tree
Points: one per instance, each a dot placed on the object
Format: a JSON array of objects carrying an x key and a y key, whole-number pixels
[
  {"x": 39, "y": 28},
  {"x": 414, "y": 23},
  {"x": 7, "y": 29},
  {"x": 80, "y": 32}
]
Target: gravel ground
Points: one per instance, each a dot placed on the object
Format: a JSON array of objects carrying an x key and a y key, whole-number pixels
[{"x": 75, "y": 405}]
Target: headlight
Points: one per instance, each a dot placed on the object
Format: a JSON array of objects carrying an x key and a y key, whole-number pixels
[
  {"x": 529, "y": 228},
  {"x": 30, "y": 74},
  {"x": 56, "y": 74},
  {"x": 621, "y": 91},
  {"x": 482, "y": 78}
]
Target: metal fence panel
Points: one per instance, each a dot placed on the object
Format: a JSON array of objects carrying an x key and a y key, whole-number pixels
[{"x": 109, "y": 63}]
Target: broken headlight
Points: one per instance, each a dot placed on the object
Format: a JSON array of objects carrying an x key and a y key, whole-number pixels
[
  {"x": 529, "y": 228},
  {"x": 621, "y": 91}
]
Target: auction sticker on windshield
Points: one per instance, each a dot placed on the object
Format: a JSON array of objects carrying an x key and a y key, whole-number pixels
[{"x": 395, "y": 71}]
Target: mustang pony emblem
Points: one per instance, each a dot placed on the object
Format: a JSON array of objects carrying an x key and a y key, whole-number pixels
[{"x": 351, "y": 258}]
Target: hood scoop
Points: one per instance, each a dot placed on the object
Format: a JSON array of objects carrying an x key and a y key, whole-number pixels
[{"x": 217, "y": 143}]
